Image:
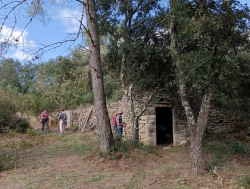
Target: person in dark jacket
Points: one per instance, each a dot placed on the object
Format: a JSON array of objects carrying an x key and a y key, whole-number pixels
[{"x": 62, "y": 121}]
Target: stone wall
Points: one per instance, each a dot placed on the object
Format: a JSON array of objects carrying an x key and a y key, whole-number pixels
[{"x": 147, "y": 122}]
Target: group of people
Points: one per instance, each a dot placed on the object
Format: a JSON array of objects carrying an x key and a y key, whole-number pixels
[{"x": 62, "y": 116}]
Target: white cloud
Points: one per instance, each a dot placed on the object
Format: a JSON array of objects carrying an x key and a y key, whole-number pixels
[
  {"x": 12, "y": 36},
  {"x": 70, "y": 19},
  {"x": 20, "y": 55},
  {"x": 18, "y": 38}
]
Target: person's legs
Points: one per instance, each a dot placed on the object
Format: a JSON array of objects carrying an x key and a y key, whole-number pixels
[
  {"x": 119, "y": 132},
  {"x": 43, "y": 125},
  {"x": 61, "y": 127},
  {"x": 47, "y": 125}
]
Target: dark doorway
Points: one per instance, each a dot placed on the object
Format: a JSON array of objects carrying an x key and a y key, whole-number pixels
[{"x": 164, "y": 126}]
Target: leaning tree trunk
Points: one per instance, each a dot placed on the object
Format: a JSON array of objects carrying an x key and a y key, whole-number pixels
[{"x": 106, "y": 141}]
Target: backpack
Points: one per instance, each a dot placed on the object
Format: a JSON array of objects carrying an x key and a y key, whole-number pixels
[
  {"x": 114, "y": 121},
  {"x": 64, "y": 116}
]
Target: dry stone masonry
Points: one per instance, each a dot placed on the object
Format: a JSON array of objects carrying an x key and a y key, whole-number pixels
[{"x": 159, "y": 123}]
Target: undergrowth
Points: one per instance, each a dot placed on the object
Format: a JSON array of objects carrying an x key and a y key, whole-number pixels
[
  {"x": 225, "y": 147},
  {"x": 127, "y": 147},
  {"x": 244, "y": 182},
  {"x": 9, "y": 159}
]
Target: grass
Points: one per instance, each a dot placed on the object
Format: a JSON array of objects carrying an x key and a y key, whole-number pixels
[
  {"x": 225, "y": 147},
  {"x": 244, "y": 181},
  {"x": 47, "y": 160}
]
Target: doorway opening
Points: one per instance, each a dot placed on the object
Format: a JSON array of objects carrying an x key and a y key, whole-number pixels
[{"x": 164, "y": 125}]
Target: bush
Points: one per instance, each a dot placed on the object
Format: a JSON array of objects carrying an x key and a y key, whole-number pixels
[
  {"x": 7, "y": 109},
  {"x": 32, "y": 132},
  {"x": 118, "y": 94},
  {"x": 88, "y": 98},
  {"x": 20, "y": 125}
]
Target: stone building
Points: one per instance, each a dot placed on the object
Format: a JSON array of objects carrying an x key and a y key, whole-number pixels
[
  {"x": 166, "y": 124},
  {"x": 161, "y": 123}
]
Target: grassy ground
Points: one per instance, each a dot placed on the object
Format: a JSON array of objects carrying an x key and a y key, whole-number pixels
[{"x": 47, "y": 160}]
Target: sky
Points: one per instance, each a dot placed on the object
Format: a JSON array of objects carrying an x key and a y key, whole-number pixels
[{"x": 61, "y": 21}]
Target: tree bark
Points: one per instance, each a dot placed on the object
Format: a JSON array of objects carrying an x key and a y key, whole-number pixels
[
  {"x": 135, "y": 116},
  {"x": 198, "y": 128},
  {"x": 105, "y": 136}
]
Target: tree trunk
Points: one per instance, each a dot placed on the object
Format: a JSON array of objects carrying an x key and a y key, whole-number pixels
[
  {"x": 197, "y": 134},
  {"x": 198, "y": 128},
  {"x": 135, "y": 116},
  {"x": 106, "y": 141}
]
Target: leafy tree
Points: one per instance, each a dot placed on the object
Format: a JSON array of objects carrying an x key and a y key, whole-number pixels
[
  {"x": 136, "y": 52},
  {"x": 205, "y": 38},
  {"x": 9, "y": 75},
  {"x": 7, "y": 108}
]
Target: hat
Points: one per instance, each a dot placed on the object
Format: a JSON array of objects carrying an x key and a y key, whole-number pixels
[{"x": 120, "y": 112}]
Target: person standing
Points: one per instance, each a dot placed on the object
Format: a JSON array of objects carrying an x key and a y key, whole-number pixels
[
  {"x": 45, "y": 120},
  {"x": 119, "y": 124},
  {"x": 62, "y": 121}
]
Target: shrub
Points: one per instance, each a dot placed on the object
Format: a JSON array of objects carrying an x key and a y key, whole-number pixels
[
  {"x": 20, "y": 125},
  {"x": 7, "y": 109},
  {"x": 88, "y": 98},
  {"x": 117, "y": 95}
]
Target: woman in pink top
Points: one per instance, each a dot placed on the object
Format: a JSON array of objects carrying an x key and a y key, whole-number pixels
[{"x": 45, "y": 120}]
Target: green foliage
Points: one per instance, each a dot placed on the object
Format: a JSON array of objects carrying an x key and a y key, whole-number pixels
[
  {"x": 117, "y": 95},
  {"x": 126, "y": 146},
  {"x": 75, "y": 128},
  {"x": 9, "y": 75},
  {"x": 209, "y": 56},
  {"x": 244, "y": 182},
  {"x": 146, "y": 66},
  {"x": 88, "y": 98},
  {"x": 8, "y": 160},
  {"x": 135, "y": 46},
  {"x": 21, "y": 125},
  {"x": 226, "y": 147},
  {"x": 95, "y": 178},
  {"x": 112, "y": 87},
  {"x": 7, "y": 108},
  {"x": 234, "y": 147},
  {"x": 32, "y": 132}
]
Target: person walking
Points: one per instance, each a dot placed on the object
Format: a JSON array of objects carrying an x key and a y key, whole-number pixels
[
  {"x": 119, "y": 124},
  {"x": 45, "y": 120},
  {"x": 62, "y": 121}
]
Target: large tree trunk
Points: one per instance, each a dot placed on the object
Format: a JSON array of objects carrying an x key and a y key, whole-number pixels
[
  {"x": 198, "y": 128},
  {"x": 106, "y": 141}
]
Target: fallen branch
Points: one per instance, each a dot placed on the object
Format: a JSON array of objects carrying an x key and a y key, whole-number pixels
[{"x": 215, "y": 169}]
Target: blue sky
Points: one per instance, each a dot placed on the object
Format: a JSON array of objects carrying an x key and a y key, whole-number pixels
[{"x": 61, "y": 23}]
